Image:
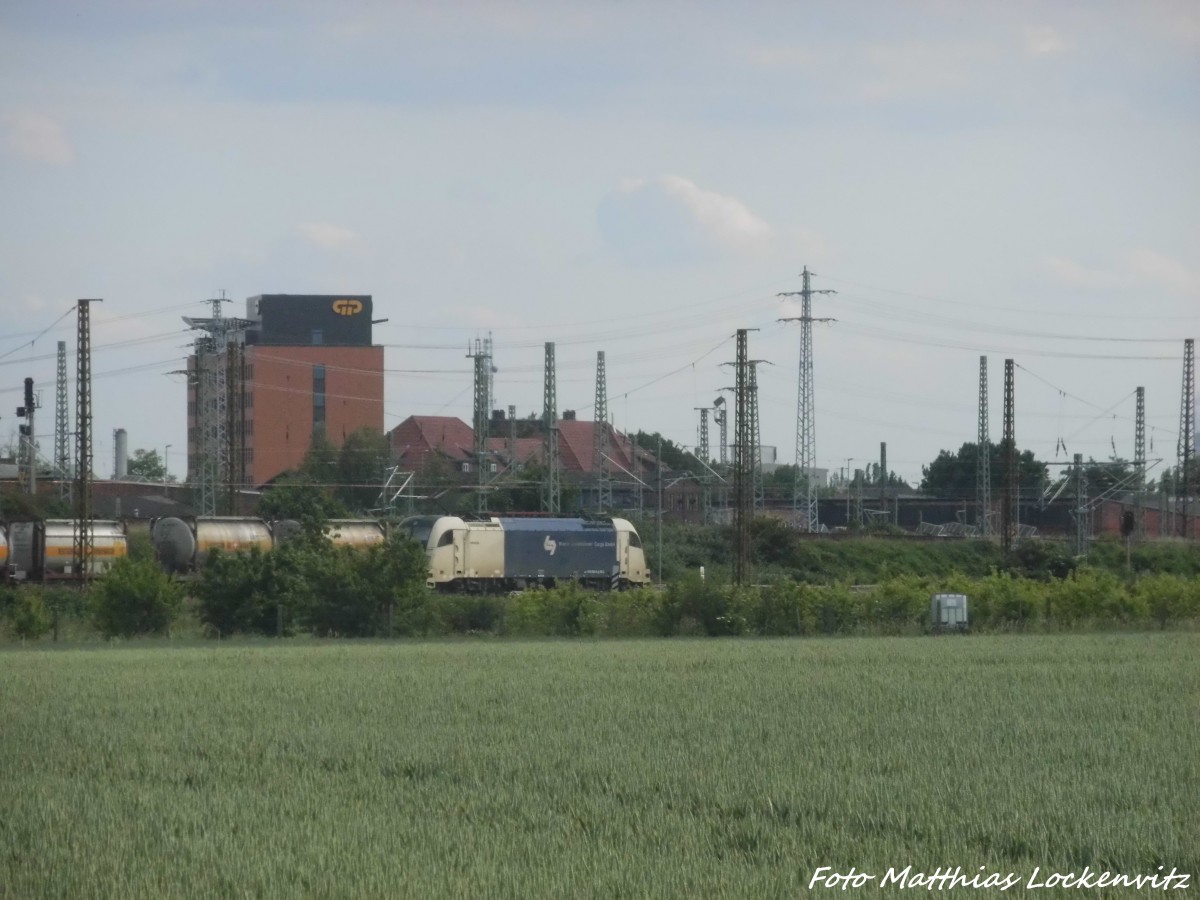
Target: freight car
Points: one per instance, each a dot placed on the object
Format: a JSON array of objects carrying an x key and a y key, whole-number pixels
[
  {"x": 44, "y": 550},
  {"x": 511, "y": 554},
  {"x": 182, "y": 544},
  {"x": 341, "y": 532}
]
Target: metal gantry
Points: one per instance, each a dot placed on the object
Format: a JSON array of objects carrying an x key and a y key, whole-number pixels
[
  {"x": 804, "y": 485},
  {"x": 83, "y": 536},
  {"x": 220, "y": 387},
  {"x": 551, "y": 489},
  {"x": 983, "y": 458}
]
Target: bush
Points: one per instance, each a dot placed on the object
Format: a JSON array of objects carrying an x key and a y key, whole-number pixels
[
  {"x": 634, "y": 613},
  {"x": 469, "y": 613},
  {"x": 238, "y": 592},
  {"x": 1088, "y": 595},
  {"x": 135, "y": 597},
  {"x": 308, "y": 584},
  {"x": 28, "y": 616},
  {"x": 1168, "y": 598},
  {"x": 697, "y": 606}
]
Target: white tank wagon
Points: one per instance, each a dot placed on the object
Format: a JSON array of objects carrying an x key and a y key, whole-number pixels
[
  {"x": 511, "y": 554},
  {"x": 341, "y": 532},
  {"x": 44, "y": 550},
  {"x": 182, "y": 544}
]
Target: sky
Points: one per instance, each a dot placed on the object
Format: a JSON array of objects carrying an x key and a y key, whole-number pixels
[{"x": 1010, "y": 179}]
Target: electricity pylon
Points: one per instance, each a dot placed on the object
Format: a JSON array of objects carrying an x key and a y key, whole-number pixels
[{"x": 804, "y": 484}]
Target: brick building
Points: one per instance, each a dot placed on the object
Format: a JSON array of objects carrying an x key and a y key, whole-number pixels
[{"x": 304, "y": 363}]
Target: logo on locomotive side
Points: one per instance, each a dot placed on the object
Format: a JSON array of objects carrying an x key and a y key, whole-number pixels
[
  {"x": 347, "y": 307},
  {"x": 550, "y": 544}
]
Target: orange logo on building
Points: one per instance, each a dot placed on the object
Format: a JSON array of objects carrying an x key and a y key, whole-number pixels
[{"x": 347, "y": 307}]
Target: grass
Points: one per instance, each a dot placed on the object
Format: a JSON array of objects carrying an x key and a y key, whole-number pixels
[{"x": 607, "y": 768}]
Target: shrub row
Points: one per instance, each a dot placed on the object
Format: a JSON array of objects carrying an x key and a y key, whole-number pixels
[
  {"x": 900, "y": 605},
  {"x": 331, "y": 592}
]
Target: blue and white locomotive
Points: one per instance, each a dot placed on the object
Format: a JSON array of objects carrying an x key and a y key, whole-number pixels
[{"x": 514, "y": 553}]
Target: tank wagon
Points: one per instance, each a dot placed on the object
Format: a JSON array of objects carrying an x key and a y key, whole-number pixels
[
  {"x": 341, "y": 532},
  {"x": 45, "y": 550},
  {"x": 182, "y": 544},
  {"x": 511, "y": 554}
]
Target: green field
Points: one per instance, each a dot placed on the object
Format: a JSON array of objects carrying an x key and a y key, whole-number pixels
[{"x": 593, "y": 768}]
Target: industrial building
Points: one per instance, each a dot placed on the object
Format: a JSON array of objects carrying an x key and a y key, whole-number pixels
[{"x": 259, "y": 387}]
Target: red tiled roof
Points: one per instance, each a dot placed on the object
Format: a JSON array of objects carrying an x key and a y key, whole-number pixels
[{"x": 417, "y": 437}]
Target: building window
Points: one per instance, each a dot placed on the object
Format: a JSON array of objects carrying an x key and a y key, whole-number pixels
[
  {"x": 318, "y": 397},
  {"x": 318, "y": 337}
]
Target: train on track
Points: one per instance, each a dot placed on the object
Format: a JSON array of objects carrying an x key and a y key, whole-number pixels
[
  {"x": 484, "y": 555},
  {"x": 514, "y": 553}
]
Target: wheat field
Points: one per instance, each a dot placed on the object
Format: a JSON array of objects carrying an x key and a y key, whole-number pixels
[{"x": 650, "y": 768}]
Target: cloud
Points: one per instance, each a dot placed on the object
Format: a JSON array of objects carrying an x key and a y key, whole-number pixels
[
  {"x": 1139, "y": 267},
  {"x": 1042, "y": 40},
  {"x": 1160, "y": 269},
  {"x": 37, "y": 139},
  {"x": 1069, "y": 273},
  {"x": 326, "y": 236},
  {"x": 670, "y": 219}
]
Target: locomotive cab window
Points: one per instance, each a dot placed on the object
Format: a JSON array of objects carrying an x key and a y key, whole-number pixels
[
  {"x": 635, "y": 539},
  {"x": 446, "y": 539}
]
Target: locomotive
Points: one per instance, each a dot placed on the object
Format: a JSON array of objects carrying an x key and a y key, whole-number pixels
[{"x": 511, "y": 554}]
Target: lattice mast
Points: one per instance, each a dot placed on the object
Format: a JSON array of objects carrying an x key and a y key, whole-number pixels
[
  {"x": 1008, "y": 517},
  {"x": 703, "y": 452},
  {"x": 27, "y": 441},
  {"x": 600, "y": 439},
  {"x": 1139, "y": 461},
  {"x": 83, "y": 537},
  {"x": 481, "y": 355},
  {"x": 721, "y": 417},
  {"x": 983, "y": 457},
  {"x": 235, "y": 416},
  {"x": 212, "y": 405},
  {"x": 62, "y": 424},
  {"x": 551, "y": 491},
  {"x": 1186, "y": 449},
  {"x": 1083, "y": 515},
  {"x": 804, "y": 484},
  {"x": 743, "y": 474},
  {"x": 883, "y": 476},
  {"x": 756, "y": 450}
]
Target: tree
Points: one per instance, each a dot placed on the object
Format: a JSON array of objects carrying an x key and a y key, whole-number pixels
[
  {"x": 295, "y": 497},
  {"x": 673, "y": 455},
  {"x": 360, "y": 468},
  {"x": 954, "y": 475},
  {"x": 147, "y": 464}
]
